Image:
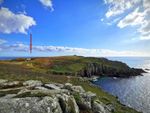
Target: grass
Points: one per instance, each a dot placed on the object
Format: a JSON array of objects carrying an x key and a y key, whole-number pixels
[
  {"x": 38, "y": 68},
  {"x": 70, "y": 65},
  {"x": 77, "y": 97},
  {"x": 18, "y": 72}
]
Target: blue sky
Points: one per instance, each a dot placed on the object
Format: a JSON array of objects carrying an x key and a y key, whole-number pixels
[{"x": 81, "y": 27}]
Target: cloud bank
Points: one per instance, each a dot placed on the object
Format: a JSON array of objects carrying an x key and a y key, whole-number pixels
[
  {"x": 137, "y": 14},
  {"x": 14, "y": 23},
  {"x": 116, "y": 7},
  {"x": 20, "y": 47}
]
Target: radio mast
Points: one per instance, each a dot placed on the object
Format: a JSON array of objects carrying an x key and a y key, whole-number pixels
[{"x": 30, "y": 43}]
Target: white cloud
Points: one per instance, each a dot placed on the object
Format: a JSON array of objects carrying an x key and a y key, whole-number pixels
[
  {"x": 145, "y": 28},
  {"x": 107, "y": 52},
  {"x": 20, "y": 47},
  {"x": 114, "y": 21},
  {"x": 14, "y": 23},
  {"x": 146, "y": 37},
  {"x": 47, "y": 3},
  {"x": 117, "y": 7},
  {"x": 138, "y": 16},
  {"x": 2, "y": 41},
  {"x": 132, "y": 19},
  {"x": 146, "y": 3}
]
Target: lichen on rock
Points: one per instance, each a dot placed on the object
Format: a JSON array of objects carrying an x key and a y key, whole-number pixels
[{"x": 50, "y": 98}]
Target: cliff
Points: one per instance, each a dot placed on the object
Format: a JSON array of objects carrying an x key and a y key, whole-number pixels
[
  {"x": 80, "y": 66},
  {"x": 103, "y": 70},
  {"x": 30, "y": 83}
]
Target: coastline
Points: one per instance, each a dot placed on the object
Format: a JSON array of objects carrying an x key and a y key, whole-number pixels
[
  {"x": 22, "y": 71},
  {"x": 107, "y": 93},
  {"x": 95, "y": 78}
]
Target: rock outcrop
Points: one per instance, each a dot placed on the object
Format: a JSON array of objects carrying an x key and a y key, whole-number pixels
[
  {"x": 82, "y": 66},
  {"x": 111, "y": 71},
  {"x": 32, "y": 83},
  {"x": 36, "y": 97},
  {"x": 6, "y": 83},
  {"x": 30, "y": 105}
]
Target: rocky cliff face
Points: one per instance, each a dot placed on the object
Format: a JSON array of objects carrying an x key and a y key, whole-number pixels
[
  {"x": 103, "y": 70},
  {"x": 35, "y": 97},
  {"x": 81, "y": 66}
]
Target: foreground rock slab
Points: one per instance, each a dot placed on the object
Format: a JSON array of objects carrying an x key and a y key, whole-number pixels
[
  {"x": 36, "y": 97},
  {"x": 30, "y": 105}
]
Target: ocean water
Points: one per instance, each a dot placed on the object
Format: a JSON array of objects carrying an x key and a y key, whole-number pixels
[
  {"x": 133, "y": 91},
  {"x": 7, "y": 58},
  {"x": 11, "y": 58}
]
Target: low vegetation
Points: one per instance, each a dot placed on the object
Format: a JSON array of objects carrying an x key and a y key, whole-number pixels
[
  {"x": 53, "y": 69},
  {"x": 78, "y": 66}
]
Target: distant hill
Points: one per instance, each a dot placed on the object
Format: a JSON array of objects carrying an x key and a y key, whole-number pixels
[{"x": 80, "y": 66}]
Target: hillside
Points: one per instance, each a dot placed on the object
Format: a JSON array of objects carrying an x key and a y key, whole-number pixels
[
  {"x": 80, "y": 66},
  {"x": 40, "y": 69}
]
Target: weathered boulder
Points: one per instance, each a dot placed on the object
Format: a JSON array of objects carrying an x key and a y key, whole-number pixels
[
  {"x": 32, "y": 83},
  {"x": 59, "y": 85},
  {"x": 23, "y": 90},
  {"x": 9, "y": 96},
  {"x": 40, "y": 88},
  {"x": 98, "y": 107},
  {"x": 68, "y": 104},
  {"x": 78, "y": 89},
  {"x": 52, "y": 86},
  {"x": 8, "y": 84},
  {"x": 30, "y": 105},
  {"x": 36, "y": 97},
  {"x": 89, "y": 94},
  {"x": 3, "y": 81},
  {"x": 68, "y": 86},
  {"x": 86, "y": 99}
]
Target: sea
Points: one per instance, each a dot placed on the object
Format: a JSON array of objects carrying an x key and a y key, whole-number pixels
[
  {"x": 7, "y": 58},
  {"x": 134, "y": 91}
]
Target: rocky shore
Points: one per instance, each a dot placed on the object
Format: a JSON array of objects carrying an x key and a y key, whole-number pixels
[
  {"x": 60, "y": 85},
  {"x": 101, "y": 70},
  {"x": 33, "y": 96}
]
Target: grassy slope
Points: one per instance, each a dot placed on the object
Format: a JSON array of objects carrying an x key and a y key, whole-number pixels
[
  {"x": 21, "y": 71},
  {"x": 69, "y": 65}
]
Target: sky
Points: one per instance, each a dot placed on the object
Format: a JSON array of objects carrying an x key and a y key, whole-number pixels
[{"x": 75, "y": 27}]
